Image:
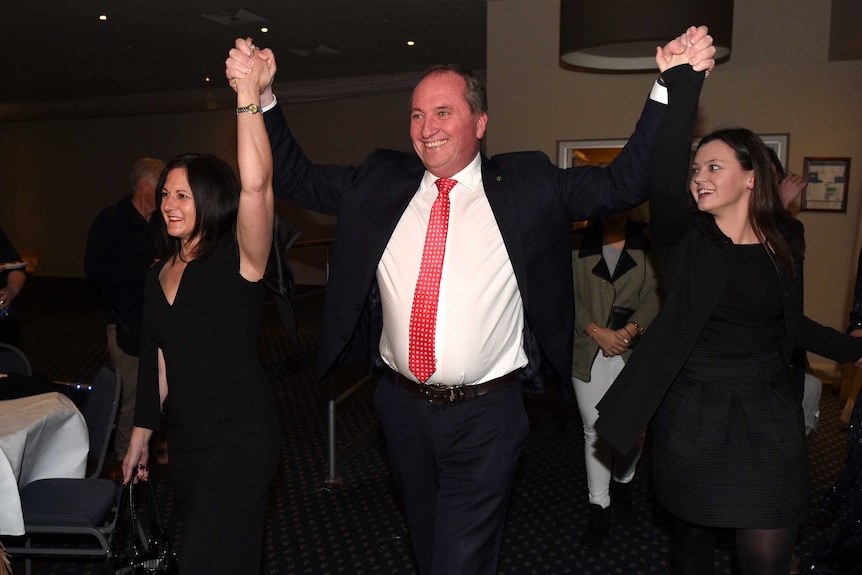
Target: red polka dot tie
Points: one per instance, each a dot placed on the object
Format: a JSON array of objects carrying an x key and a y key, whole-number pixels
[{"x": 423, "y": 317}]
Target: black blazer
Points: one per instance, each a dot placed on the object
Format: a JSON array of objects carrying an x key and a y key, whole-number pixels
[
  {"x": 695, "y": 264},
  {"x": 532, "y": 199}
]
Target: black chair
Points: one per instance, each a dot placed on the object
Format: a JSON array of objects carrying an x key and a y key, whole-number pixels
[
  {"x": 75, "y": 506},
  {"x": 13, "y": 360}
]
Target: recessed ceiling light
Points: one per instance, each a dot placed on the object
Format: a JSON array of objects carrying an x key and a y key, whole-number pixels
[
  {"x": 103, "y": 17},
  {"x": 411, "y": 43},
  {"x": 264, "y": 29}
]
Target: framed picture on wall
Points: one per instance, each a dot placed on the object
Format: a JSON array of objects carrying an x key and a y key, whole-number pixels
[
  {"x": 779, "y": 144},
  {"x": 572, "y": 153},
  {"x": 827, "y": 185}
]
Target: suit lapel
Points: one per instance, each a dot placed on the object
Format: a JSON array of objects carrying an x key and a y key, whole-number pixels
[
  {"x": 400, "y": 190},
  {"x": 501, "y": 197}
]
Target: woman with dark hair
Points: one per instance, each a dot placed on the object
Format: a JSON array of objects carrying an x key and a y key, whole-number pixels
[
  {"x": 729, "y": 447},
  {"x": 199, "y": 365}
]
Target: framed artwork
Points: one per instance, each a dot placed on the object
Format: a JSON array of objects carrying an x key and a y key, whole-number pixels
[
  {"x": 827, "y": 185},
  {"x": 572, "y": 153},
  {"x": 779, "y": 144}
]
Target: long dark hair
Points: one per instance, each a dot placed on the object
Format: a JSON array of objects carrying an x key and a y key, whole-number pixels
[
  {"x": 215, "y": 192},
  {"x": 767, "y": 215}
]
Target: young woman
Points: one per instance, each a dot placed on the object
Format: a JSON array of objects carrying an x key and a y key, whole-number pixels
[
  {"x": 729, "y": 440},
  {"x": 199, "y": 364},
  {"x": 616, "y": 297}
]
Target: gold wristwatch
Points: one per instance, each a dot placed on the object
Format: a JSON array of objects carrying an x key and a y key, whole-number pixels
[
  {"x": 250, "y": 109},
  {"x": 638, "y": 329}
]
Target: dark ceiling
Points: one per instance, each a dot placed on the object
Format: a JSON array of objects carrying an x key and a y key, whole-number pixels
[{"x": 59, "y": 50}]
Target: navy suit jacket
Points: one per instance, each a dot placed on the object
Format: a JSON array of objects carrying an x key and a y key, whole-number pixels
[{"x": 533, "y": 201}]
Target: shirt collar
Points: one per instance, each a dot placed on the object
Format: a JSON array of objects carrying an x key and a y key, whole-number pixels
[{"x": 470, "y": 177}]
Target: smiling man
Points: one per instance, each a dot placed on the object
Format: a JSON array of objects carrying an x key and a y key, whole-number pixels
[{"x": 451, "y": 276}]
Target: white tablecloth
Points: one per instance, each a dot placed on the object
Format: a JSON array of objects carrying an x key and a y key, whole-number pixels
[{"x": 41, "y": 436}]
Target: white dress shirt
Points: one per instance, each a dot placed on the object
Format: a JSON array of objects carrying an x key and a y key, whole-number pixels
[{"x": 480, "y": 316}]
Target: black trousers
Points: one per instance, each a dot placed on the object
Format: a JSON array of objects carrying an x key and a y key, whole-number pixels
[{"x": 455, "y": 463}]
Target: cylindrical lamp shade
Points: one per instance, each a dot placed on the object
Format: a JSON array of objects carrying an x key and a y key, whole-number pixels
[{"x": 621, "y": 35}]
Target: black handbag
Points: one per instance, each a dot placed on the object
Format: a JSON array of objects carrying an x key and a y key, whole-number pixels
[
  {"x": 136, "y": 550},
  {"x": 619, "y": 318}
]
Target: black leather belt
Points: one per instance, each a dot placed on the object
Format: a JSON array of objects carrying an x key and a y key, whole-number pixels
[{"x": 436, "y": 393}]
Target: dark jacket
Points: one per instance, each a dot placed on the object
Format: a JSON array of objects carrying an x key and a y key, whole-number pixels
[
  {"x": 533, "y": 201},
  {"x": 694, "y": 267},
  {"x": 121, "y": 247},
  {"x": 856, "y": 312}
]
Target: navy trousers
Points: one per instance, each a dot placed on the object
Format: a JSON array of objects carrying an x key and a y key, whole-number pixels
[{"x": 454, "y": 463}]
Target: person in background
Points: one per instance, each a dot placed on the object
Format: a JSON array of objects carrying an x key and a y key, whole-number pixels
[
  {"x": 616, "y": 298},
  {"x": 790, "y": 187},
  {"x": 121, "y": 247},
  {"x": 840, "y": 553},
  {"x": 453, "y": 337},
  {"x": 12, "y": 280},
  {"x": 199, "y": 363},
  {"x": 729, "y": 446},
  {"x": 854, "y": 328}
]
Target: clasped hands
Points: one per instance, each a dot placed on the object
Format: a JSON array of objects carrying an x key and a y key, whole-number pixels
[
  {"x": 241, "y": 65},
  {"x": 694, "y": 47},
  {"x": 612, "y": 342}
]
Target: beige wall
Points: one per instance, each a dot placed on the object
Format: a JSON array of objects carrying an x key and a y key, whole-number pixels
[
  {"x": 777, "y": 81},
  {"x": 56, "y": 175}
]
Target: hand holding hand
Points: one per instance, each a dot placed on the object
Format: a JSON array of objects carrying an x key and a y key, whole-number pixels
[
  {"x": 694, "y": 47},
  {"x": 241, "y": 62},
  {"x": 259, "y": 75},
  {"x": 611, "y": 342}
]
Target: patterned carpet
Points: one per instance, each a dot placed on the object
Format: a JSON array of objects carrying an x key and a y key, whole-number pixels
[{"x": 357, "y": 526}]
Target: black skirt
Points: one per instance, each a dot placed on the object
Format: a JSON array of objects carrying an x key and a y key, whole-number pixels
[{"x": 729, "y": 443}]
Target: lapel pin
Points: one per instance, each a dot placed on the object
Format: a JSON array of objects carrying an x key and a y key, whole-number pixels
[{"x": 499, "y": 178}]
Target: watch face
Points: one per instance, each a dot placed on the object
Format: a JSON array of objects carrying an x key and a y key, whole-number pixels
[{"x": 253, "y": 109}]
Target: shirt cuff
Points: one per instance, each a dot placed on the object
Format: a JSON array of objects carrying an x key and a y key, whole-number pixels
[
  {"x": 274, "y": 103},
  {"x": 658, "y": 93}
]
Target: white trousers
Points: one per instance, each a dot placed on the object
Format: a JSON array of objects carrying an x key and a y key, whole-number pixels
[{"x": 602, "y": 460}]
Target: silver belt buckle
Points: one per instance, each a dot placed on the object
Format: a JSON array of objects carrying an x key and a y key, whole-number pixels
[
  {"x": 451, "y": 393},
  {"x": 456, "y": 394}
]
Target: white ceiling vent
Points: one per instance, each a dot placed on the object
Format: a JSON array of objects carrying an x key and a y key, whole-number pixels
[
  {"x": 305, "y": 53},
  {"x": 233, "y": 17}
]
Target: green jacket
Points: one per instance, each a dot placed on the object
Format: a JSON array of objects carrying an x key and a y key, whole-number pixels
[{"x": 633, "y": 285}]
